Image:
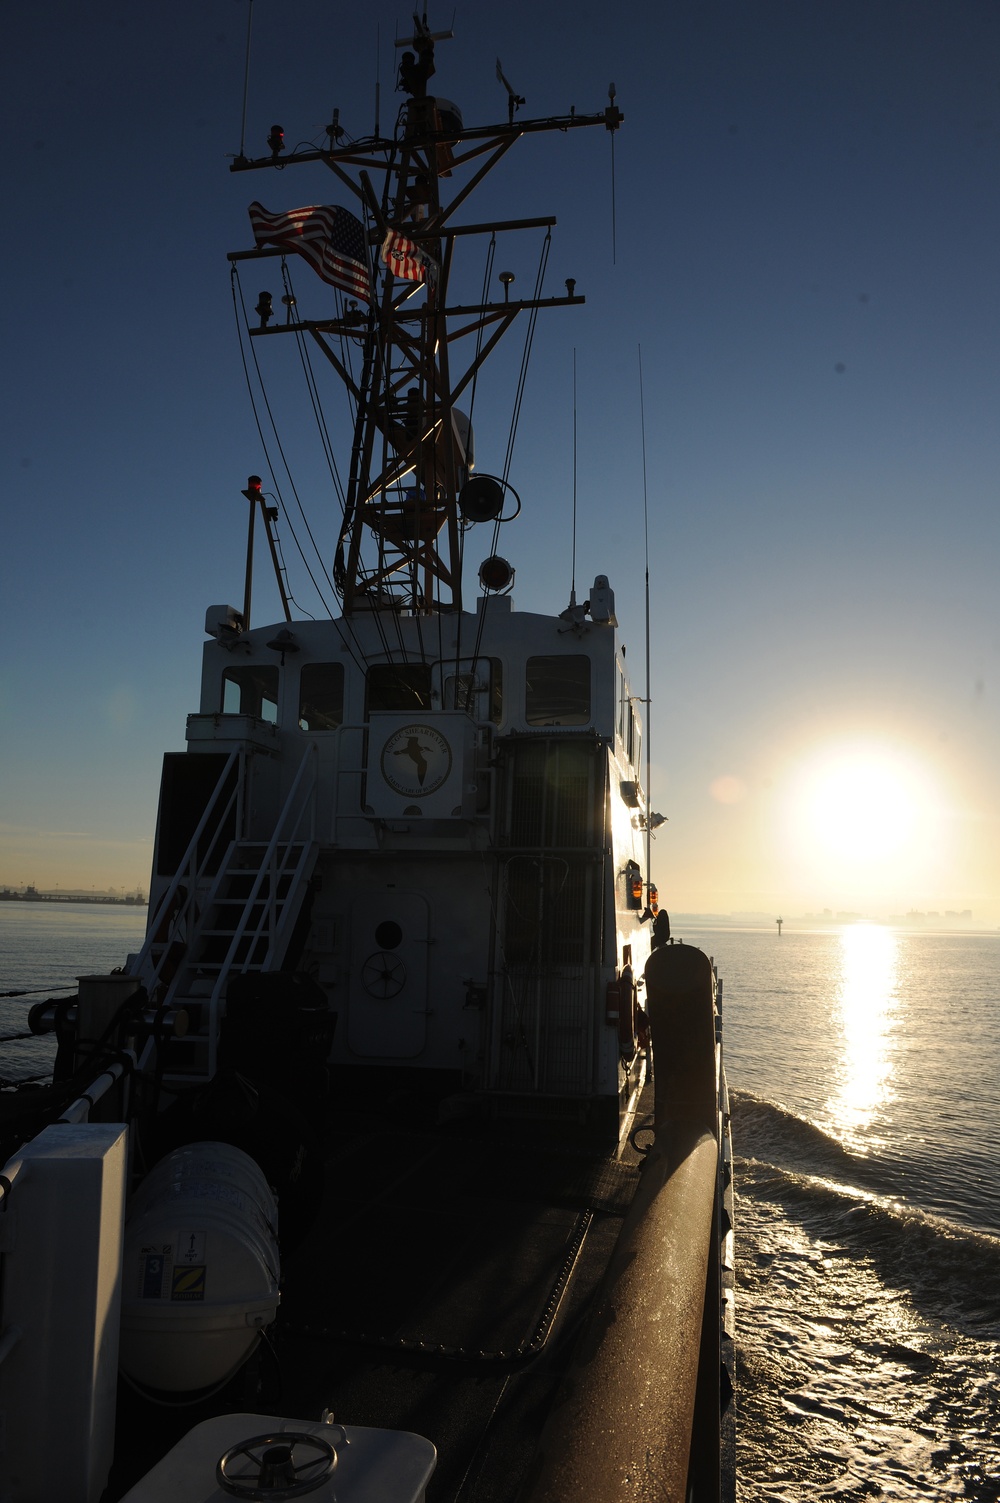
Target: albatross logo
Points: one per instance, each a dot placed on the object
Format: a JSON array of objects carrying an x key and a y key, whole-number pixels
[{"x": 416, "y": 761}]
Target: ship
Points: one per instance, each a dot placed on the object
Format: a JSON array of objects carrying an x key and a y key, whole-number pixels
[{"x": 396, "y": 1163}]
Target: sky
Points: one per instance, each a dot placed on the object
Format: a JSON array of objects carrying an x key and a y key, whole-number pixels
[{"x": 794, "y": 236}]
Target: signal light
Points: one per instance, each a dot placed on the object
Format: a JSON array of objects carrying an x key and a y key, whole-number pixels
[
  {"x": 276, "y": 140},
  {"x": 496, "y": 574},
  {"x": 481, "y": 499},
  {"x": 252, "y": 491}
]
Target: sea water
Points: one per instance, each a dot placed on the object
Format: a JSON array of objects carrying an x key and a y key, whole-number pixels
[
  {"x": 44, "y": 947},
  {"x": 865, "y": 1069}
]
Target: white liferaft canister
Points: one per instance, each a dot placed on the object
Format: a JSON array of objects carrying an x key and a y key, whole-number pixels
[{"x": 200, "y": 1270}]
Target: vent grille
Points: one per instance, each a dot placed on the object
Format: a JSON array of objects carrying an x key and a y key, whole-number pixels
[{"x": 553, "y": 793}]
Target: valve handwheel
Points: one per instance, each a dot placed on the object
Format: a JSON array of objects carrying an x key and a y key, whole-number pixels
[{"x": 286, "y": 1464}]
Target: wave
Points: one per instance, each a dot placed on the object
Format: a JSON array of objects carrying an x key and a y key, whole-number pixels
[
  {"x": 952, "y": 1272},
  {"x": 765, "y": 1130}
]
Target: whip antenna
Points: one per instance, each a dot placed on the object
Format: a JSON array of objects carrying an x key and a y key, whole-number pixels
[
  {"x": 614, "y": 237},
  {"x": 649, "y": 705},
  {"x": 572, "y": 583},
  {"x": 246, "y": 82},
  {"x": 378, "y": 77}
]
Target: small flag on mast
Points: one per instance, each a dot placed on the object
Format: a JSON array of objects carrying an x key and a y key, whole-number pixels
[
  {"x": 405, "y": 259},
  {"x": 331, "y": 239}
]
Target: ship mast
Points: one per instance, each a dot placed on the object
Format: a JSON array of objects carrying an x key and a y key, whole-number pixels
[{"x": 400, "y": 541}]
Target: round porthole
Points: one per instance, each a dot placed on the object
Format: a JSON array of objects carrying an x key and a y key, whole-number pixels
[{"x": 388, "y": 935}]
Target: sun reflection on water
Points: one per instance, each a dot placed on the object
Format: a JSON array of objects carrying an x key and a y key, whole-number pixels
[{"x": 868, "y": 1016}]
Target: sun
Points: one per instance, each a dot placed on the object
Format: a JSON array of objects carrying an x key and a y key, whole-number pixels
[
  {"x": 864, "y": 808},
  {"x": 863, "y": 815}
]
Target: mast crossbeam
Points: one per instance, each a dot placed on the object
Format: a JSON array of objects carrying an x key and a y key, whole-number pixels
[{"x": 412, "y": 449}]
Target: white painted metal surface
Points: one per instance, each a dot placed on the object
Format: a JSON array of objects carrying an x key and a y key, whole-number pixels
[
  {"x": 200, "y": 1268},
  {"x": 374, "y": 1466},
  {"x": 61, "y": 1237},
  {"x": 390, "y": 935}
]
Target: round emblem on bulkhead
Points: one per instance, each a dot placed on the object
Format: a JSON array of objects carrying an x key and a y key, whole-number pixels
[{"x": 416, "y": 761}]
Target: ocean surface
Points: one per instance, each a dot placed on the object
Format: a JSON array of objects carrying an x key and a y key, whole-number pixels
[
  {"x": 865, "y": 1069},
  {"x": 44, "y": 947}
]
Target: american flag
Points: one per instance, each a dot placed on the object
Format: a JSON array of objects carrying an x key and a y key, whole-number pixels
[
  {"x": 405, "y": 259},
  {"x": 331, "y": 240}
]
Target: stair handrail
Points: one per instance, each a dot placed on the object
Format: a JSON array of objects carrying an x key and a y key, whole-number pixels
[
  {"x": 282, "y": 836},
  {"x": 189, "y": 870}
]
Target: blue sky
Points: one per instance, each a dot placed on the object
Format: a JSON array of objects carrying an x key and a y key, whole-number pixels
[{"x": 806, "y": 231}]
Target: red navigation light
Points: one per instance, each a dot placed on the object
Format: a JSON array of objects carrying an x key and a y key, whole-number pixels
[
  {"x": 276, "y": 140},
  {"x": 252, "y": 491}
]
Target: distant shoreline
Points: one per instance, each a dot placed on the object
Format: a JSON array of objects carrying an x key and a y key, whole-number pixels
[
  {"x": 71, "y": 897},
  {"x": 812, "y": 922}
]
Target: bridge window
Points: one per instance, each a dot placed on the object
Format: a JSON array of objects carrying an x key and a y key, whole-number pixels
[
  {"x": 399, "y": 686},
  {"x": 557, "y": 690},
  {"x": 321, "y": 696},
  {"x": 480, "y": 694},
  {"x": 251, "y": 691}
]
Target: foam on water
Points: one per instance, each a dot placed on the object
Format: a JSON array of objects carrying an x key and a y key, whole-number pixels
[
  {"x": 868, "y": 1346},
  {"x": 868, "y": 1240}
]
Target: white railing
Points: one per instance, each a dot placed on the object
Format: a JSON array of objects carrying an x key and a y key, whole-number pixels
[
  {"x": 166, "y": 920},
  {"x": 289, "y": 853}
]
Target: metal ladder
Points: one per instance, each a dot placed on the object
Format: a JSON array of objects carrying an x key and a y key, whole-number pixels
[{"x": 228, "y": 916}]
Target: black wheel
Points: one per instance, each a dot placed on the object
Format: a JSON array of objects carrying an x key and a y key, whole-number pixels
[
  {"x": 383, "y": 975},
  {"x": 272, "y": 1467}
]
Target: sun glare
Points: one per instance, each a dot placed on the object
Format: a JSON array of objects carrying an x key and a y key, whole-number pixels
[
  {"x": 863, "y": 816},
  {"x": 867, "y": 1008}
]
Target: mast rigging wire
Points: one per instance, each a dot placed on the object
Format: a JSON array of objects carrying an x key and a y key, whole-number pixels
[
  {"x": 356, "y": 650},
  {"x": 515, "y": 418},
  {"x": 525, "y": 357},
  {"x": 491, "y": 251},
  {"x": 354, "y": 647},
  {"x": 237, "y": 305},
  {"x": 312, "y": 386}
]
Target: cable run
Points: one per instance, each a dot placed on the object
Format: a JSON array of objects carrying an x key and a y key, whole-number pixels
[
  {"x": 312, "y": 387},
  {"x": 525, "y": 357},
  {"x": 238, "y": 305}
]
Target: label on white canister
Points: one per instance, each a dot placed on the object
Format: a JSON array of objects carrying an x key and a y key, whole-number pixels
[
  {"x": 153, "y": 1263},
  {"x": 176, "y": 1270}
]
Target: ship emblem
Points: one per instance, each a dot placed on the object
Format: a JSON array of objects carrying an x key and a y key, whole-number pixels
[{"x": 416, "y": 761}]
